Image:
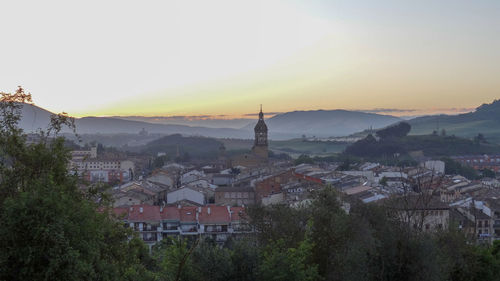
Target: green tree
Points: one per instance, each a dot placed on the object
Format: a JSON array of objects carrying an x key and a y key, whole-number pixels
[
  {"x": 50, "y": 229},
  {"x": 175, "y": 260},
  {"x": 282, "y": 263},
  {"x": 397, "y": 131},
  {"x": 212, "y": 262},
  {"x": 303, "y": 159}
]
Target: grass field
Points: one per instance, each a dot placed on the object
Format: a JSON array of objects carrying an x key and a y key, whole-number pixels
[{"x": 489, "y": 128}]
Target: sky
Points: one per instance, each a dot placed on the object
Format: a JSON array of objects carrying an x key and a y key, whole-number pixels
[{"x": 225, "y": 58}]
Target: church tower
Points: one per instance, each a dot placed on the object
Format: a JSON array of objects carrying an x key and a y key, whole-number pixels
[{"x": 260, "y": 147}]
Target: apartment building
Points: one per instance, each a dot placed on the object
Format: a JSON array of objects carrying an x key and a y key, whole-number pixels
[{"x": 154, "y": 223}]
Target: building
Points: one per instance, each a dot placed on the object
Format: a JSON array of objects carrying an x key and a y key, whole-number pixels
[
  {"x": 289, "y": 183},
  {"x": 90, "y": 167},
  {"x": 154, "y": 223},
  {"x": 138, "y": 192},
  {"x": 260, "y": 150},
  {"x": 234, "y": 196},
  {"x": 186, "y": 196},
  {"x": 260, "y": 147},
  {"x": 422, "y": 212},
  {"x": 480, "y": 162}
]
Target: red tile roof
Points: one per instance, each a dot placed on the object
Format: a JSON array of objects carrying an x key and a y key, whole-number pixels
[
  {"x": 308, "y": 178},
  {"x": 120, "y": 211},
  {"x": 237, "y": 213},
  {"x": 188, "y": 214},
  {"x": 149, "y": 213},
  {"x": 218, "y": 214},
  {"x": 170, "y": 213}
]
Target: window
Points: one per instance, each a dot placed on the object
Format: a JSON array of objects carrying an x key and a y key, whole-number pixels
[
  {"x": 427, "y": 227},
  {"x": 479, "y": 223},
  {"x": 486, "y": 224}
]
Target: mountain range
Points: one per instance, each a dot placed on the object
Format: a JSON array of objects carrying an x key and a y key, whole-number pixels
[{"x": 319, "y": 123}]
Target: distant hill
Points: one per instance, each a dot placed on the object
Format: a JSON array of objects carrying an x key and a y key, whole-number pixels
[
  {"x": 325, "y": 123},
  {"x": 196, "y": 121},
  {"x": 485, "y": 119},
  {"x": 35, "y": 118},
  {"x": 320, "y": 123}
]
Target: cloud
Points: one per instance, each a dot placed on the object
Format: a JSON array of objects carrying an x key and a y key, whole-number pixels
[
  {"x": 265, "y": 113},
  {"x": 177, "y": 117},
  {"x": 388, "y": 110},
  {"x": 457, "y": 109}
]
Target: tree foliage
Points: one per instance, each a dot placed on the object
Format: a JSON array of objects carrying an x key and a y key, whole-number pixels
[
  {"x": 50, "y": 229},
  {"x": 395, "y": 131}
]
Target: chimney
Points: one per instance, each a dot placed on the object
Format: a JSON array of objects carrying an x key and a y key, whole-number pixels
[
  {"x": 161, "y": 209},
  {"x": 131, "y": 209},
  {"x": 179, "y": 206},
  {"x": 141, "y": 210},
  {"x": 208, "y": 210}
]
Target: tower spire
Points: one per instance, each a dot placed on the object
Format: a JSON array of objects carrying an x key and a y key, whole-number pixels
[{"x": 261, "y": 115}]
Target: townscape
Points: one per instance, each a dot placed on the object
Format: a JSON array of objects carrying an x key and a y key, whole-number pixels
[
  {"x": 263, "y": 140},
  {"x": 208, "y": 198}
]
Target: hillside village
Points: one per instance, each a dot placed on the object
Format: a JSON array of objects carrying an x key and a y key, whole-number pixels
[{"x": 209, "y": 197}]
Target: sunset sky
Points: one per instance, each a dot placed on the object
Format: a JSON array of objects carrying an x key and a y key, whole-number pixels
[{"x": 227, "y": 57}]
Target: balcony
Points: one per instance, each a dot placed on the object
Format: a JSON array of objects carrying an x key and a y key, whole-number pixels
[
  {"x": 242, "y": 228},
  {"x": 189, "y": 229},
  {"x": 150, "y": 227},
  {"x": 215, "y": 228},
  {"x": 170, "y": 227},
  {"x": 151, "y": 238}
]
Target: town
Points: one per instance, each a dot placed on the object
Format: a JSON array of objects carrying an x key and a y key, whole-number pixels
[{"x": 208, "y": 198}]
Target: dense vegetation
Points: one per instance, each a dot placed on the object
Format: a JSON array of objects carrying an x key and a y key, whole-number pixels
[
  {"x": 370, "y": 244},
  {"x": 434, "y": 145},
  {"x": 178, "y": 145}
]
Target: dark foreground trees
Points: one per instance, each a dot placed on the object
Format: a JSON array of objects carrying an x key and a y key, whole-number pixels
[
  {"x": 50, "y": 229},
  {"x": 369, "y": 243}
]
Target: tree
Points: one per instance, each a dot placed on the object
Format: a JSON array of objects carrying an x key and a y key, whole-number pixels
[
  {"x": 174, "y": 257},
  {"x": 303, "y": 159},
  {"x": 50, "y": 229},
  {"x": 383, "y": 181},
  {"x": 212, "y": 262},
  {"x": 282, "y": 263},
  {"x": 399, "y": 130},
  {"x": 479, "y": 139}
]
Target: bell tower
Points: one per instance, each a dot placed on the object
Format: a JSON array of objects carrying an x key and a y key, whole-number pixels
[{"x": 260, "y": 147}]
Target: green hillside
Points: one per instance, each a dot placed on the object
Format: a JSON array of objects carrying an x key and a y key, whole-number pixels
[{"x": 485, "y": 120}]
